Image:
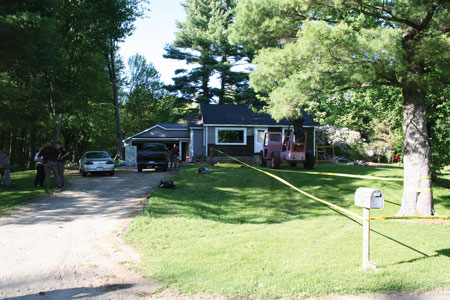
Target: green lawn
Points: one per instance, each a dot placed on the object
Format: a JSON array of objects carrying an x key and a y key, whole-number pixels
[
  {"x": 20, "y": 191},
  {"x": 239, "y": 232}
]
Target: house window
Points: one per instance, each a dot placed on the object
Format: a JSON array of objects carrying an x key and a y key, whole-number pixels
[{"x": 231, "y": 136}]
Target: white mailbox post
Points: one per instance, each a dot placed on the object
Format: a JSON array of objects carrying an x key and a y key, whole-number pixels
[{"x": 368, "y": 198}]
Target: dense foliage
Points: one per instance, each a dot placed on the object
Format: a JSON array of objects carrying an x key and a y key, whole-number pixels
[
  {"x": 311, "y": 50},
  {"x": 61, "y": 76}
]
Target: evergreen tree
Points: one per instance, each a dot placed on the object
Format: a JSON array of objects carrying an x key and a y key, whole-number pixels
[{"x": 202, "y": 40}]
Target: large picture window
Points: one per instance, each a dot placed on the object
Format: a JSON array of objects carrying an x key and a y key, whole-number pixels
[{"x": 231, "y": 136}]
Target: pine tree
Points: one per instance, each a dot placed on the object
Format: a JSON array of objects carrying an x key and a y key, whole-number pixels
[{"x": 202, "y": 40}]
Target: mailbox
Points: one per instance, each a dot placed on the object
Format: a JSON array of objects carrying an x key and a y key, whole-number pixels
[{"x": 369, "y": 198}]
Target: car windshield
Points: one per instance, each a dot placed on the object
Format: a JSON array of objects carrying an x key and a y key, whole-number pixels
[
  {"x": 275, "y": 137},
  {"x": 154, "y": 147},
  {"x": 97, "y": 155}
]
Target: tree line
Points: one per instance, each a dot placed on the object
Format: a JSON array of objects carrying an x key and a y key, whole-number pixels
[{"x": 61, "y": 77}]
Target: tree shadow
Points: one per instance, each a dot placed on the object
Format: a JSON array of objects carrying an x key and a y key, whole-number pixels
[
  {"x": 442, "y": 252},
  {"x": 74, "y": 293},
  {"x": 244, "y": 196}
]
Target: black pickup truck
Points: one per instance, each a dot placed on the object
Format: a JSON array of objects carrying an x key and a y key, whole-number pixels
[{"x": 152, "y": 156}]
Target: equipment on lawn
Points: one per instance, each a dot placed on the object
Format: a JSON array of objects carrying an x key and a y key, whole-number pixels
[{"x": 291, "y": 148}]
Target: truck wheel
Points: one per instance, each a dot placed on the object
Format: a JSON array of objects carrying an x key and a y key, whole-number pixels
[
  {"x": 292, "y": 164},
  {"x": 139, "y": 168},
  {"x": 262, "y": 161},
  {"x": 309, "y": 161},
  {"x": 275, "y": 161}
]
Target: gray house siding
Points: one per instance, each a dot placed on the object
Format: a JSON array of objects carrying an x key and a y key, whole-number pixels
[
  {"x": 244, "y": 150},
  {"x": 197, "y": 142}
]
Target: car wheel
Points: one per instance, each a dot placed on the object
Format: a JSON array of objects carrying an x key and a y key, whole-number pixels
[
  {"x": 262, "y": 161},
  {"x": 275, "y": 161}
]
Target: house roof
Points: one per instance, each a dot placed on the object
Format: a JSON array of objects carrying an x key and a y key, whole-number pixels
[
  {"x": 195, "y": 122},
  {"x": 222, "y": 114},
  {"x": 162, "y": 131}
]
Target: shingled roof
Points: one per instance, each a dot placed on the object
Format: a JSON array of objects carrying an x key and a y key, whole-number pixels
[{"x": 224, "y": 114}]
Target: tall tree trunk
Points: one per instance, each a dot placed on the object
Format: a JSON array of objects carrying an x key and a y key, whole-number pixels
[
  {"x": 111, "y": 61},
  {"x": 417, "y": 195},
  {"x": 13, "y": 146},
  {"x": 223, "y": 81},
  {"x": 32, "y": 149},
  {"x": 22, "y": 153},
  {"x": 57, "y": 118}
]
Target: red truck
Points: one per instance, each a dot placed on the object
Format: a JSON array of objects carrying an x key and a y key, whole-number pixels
[{"x": 291, "y": 148}]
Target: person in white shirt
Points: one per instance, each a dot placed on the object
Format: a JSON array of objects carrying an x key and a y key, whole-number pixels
[{"x": 40, "y": 174}]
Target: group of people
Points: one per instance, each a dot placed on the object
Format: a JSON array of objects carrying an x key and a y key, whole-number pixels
[{"x": 50, "y": 159}]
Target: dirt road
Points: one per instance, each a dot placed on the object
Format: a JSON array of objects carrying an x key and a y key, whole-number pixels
[{"x": 67, "y": 245}]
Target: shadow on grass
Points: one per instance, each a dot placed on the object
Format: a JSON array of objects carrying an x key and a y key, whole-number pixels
[
  {"x": 243, "y": 195},
  {"x": 442, "y": 252}
]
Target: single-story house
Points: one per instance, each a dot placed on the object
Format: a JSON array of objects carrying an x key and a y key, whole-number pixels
[{"x": 233, "y": 129}]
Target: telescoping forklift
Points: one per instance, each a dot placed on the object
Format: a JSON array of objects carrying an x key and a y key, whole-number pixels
[{"x": 290, "y": 148}]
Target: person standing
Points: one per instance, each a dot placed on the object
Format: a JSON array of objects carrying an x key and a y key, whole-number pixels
[
  {"x": 174, "y": 156},
  {"x": 4, "y": 167},
  {"x": 62, "y": 157},
  {"x": 40, "y": 175},
  {"x": 50, "y": 157}
]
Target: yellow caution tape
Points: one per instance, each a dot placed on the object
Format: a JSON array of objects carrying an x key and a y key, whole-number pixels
[
  {"x": 344, "y": 175},
  {"x": 226, "y": 165},
  {"x": 331, "y": 204},
  {"x": 297, "y": 189},
  {"x": 412, "y": 218}
]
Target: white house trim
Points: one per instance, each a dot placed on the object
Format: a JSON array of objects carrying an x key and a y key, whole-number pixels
[
  {"x": 148, "y": 129},
  {"x": 244, "y": 129}
]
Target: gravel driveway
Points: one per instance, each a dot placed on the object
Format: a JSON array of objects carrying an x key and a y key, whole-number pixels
[{"x": 67, "y": 245}]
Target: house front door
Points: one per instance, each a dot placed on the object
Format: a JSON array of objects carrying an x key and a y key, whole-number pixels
[{"x": 259, "y": 138}]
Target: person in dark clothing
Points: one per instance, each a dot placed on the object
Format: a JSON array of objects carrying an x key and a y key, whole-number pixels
[
  {"x": 62, "y": 157},
  {"x": 40, "y": 175},
  {"x": 173, "y": 156},
  {"x": 50, "y": 157}
]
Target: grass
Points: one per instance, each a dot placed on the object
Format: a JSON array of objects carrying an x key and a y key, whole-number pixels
[
  {"x": 20, "y": 191},
  {"x": 241, "y": 233}
]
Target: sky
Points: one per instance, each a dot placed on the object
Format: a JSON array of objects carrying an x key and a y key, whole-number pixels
[{"x": 153, "y": 33}]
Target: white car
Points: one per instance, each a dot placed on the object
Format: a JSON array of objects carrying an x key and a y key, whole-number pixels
[{"x": 96, "y": 161}]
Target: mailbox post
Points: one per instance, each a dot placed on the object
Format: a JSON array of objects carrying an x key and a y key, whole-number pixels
[{"x": 368, "y": 198}]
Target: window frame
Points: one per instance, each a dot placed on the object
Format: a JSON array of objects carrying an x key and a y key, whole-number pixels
[{"x": 243, "y": 129}]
